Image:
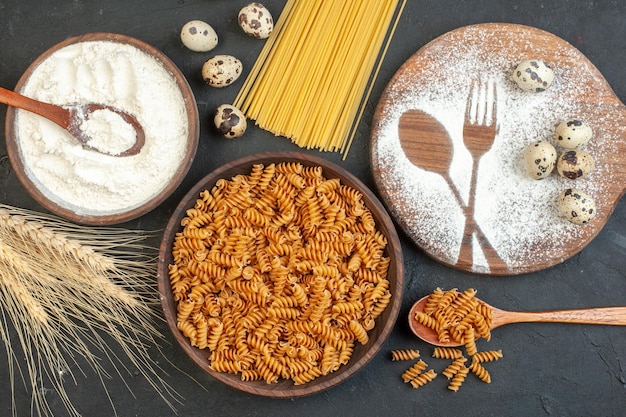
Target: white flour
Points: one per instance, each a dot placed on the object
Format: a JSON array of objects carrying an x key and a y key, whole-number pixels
[
  {"x": 108, "y": 132},
  {"x": 121, "y": 76},
  {"x": 516, "y": 213}
]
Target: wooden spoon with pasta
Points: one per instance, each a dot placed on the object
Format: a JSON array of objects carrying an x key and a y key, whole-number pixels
[{"x": 603, "y": 315}]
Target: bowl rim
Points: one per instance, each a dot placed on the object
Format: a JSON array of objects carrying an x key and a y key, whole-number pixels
[
  {"x": 191, "y": 107},
  {"x": 260, "y": 387}
]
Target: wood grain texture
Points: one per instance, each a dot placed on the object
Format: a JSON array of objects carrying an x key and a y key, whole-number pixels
[
  {"x": 70, "y": 118},
  {"x": 57, "y": 114},
  {"x": 610, "y": 316},
  {"x": 362, "y": 353},
  {"x": 193, "y": 121},
  {"x": 427, "y": 145}
]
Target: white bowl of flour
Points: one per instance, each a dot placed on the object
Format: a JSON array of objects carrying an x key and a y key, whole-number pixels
[{"x": 91, "y": 187}]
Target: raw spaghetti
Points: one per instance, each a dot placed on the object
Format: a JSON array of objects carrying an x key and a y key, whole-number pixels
[{"x": 314, "y": 75}]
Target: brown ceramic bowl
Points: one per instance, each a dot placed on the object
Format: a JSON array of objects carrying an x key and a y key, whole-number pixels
[
  {"x": 68, "y": 209},
  {"x": 362, "y": 353}
]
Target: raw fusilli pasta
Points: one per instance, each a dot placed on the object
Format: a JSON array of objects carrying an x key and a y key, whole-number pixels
[
  {"x": 454, "y": 367},
  {"x": 279, "y": 273},
  {"x": 404, "y": 354},
  {"x": 480, "y": 372},
  {"x": 453, "y": 314},
  {"x": 487, "y": 356},
  {"x": 459, "y": 317},
  {"x": 414, "y": 371},
  {"x": 423, "y": 379},
  {"x": 447, "y": 353},
  {"x": 458, "y": 379}
]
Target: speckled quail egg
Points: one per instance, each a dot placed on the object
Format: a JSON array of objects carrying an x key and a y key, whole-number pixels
[
  {"x": 221, "y": 70},
  {"x": 256, "y": 20},
  {"x": 539, "y": 159},
  {"x": 576, "y": 206},
  {"x": 573, "y": 133},
  {"x": 230, "y": 121},
  {"x": 574, "y": 164},
  {"x": 198, "y": 36},
  {"x": 533, "y": 75}
]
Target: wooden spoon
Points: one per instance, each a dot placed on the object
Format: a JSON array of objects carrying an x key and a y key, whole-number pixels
[
  {"x": 71, "y": 117},
  {"x": 427, "y": 145},
  {"x": 603, "y": 315}
]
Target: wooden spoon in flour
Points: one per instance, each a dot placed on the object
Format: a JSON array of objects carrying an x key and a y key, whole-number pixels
[{"x": 72, "y": 117}]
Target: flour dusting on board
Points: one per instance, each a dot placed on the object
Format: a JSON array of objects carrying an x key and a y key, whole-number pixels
[{"x": 517, "y": 214}]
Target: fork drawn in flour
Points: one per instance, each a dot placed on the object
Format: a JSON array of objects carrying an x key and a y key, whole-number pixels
[{"x": 428, "y": 145}]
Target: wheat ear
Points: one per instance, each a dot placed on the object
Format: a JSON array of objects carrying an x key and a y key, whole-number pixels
[{"x": 65, "y": 286}]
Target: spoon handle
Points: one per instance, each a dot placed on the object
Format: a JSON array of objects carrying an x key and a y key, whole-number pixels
[
  {"x": 602, "y": 315},
  {"x": 57, "y": 114}
]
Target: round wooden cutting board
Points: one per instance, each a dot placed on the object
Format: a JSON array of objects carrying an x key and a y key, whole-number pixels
[{"x": 448, "y": 138}]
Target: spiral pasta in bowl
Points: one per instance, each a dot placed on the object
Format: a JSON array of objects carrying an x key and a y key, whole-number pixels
[{"x": 280, "y": 274}]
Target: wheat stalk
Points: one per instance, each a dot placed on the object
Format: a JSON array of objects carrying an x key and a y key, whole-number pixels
[{"x": 62, "y": 287}]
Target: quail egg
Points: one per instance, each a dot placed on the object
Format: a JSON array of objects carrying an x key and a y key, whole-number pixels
[
  {"x": 574, "y": 164},
  {"x": 540, "y": 159},
  {"x": 573, "y": 133},
  {"x": 221, "y": 70},
  {"x": 576, "y": 206},
  {"x": 256, "y": 20},
  {"x": 533, "y": 75},
  {"x": 198, "y": 36},
  {"x": 230, "y": 121}
]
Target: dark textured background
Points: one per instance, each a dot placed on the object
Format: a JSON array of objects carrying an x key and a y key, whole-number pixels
[{"x": 547, "y": 369}]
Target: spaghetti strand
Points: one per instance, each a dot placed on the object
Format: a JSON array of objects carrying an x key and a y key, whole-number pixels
[{"x": 314, "y": 76}]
